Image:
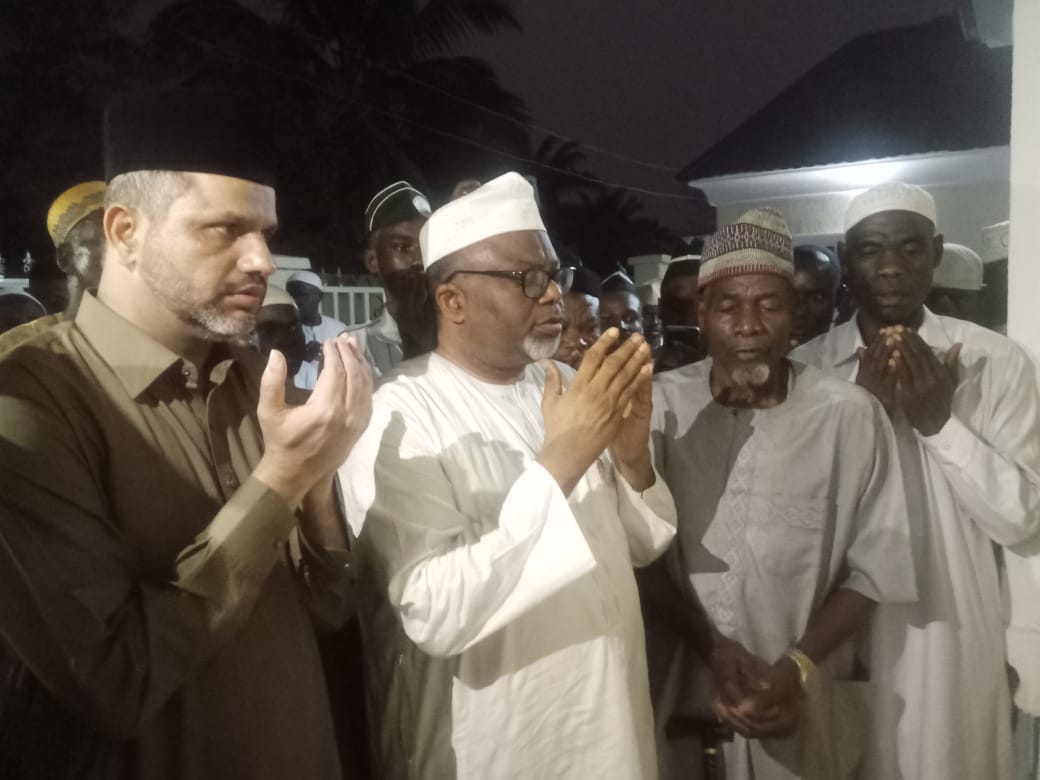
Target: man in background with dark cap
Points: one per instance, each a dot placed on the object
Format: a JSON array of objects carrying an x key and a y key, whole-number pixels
[
  {"x": 407, "y": 325},
  {"x": 580, "y": 317},
  {"x": 169, "y": 529},
  {"x": 677, "y": 310},
  {"x": 817, "y": 279},
  {"x": 619, "y": 306},
  {"x": 74, "y": 225}
]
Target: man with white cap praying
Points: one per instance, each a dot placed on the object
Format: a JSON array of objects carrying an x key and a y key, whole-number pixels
[
  {"x": 957, "y": 284},
  {"x": 787, "y": 536},
  {"x": 511, "y": 498},
  {"x": 966, "y": 409},
  {"x": 306, "y": 288},
  {"x": 407, "y": 325}
]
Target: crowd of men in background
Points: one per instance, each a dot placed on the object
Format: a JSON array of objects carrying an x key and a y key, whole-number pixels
[{"x": 826, "y": 472}]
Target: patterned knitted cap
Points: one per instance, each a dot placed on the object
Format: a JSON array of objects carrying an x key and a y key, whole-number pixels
[{"x": 757, "y": 243}]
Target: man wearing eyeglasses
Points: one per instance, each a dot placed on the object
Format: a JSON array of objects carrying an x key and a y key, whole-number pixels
[{"x": 511, "y": 498}]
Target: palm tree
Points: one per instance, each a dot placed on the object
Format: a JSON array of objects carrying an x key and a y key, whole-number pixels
[{"x": 365, "y": 92}]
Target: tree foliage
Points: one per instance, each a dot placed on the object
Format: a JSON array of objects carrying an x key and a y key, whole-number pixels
[{"x": 361, "y": 93}]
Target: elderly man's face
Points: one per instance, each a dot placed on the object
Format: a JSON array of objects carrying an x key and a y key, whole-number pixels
[
  {"x": 580, "y": 327},
  {"x": 889, "y": 259},
  {"x": 746, "y": 321},
  {"x": 503, "y": 327},
  {"x": 206, "y": 260}
]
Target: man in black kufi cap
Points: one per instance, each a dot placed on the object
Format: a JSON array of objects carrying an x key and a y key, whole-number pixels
[
  {"x": 168, "y": 528},
  {"x": 407, "y": 326}
]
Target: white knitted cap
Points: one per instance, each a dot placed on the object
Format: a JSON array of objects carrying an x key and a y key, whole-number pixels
[
  {"x": 890, "y": 196},
  {"x": 959, "y": 269},
  {"x": 503, "y": 205},
  {"x": 307, "y": 277},
  {"x": 995, "y": 242}
]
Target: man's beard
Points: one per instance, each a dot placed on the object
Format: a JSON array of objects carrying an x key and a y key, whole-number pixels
[
  {"x": 175, "y": 294},
  {"x": 540, "y": 348},
  {"x": 755, "y": 375}
]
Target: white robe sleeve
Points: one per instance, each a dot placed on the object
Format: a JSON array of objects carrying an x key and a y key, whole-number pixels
[
  {"x": 649, "y": 518},
  {"x": 995, "y": 473},
  {"x": 456, "y": 579}
]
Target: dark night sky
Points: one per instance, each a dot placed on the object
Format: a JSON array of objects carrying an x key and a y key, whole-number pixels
[{"x": 662, "y": 80}]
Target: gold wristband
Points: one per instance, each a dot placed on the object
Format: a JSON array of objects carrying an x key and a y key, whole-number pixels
[{"x": 806, "y": 667}]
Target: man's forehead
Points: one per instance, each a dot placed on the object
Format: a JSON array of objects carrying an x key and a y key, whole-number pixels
[
  {"x": 890, "y": 223},
  {"x": 408, "y": 229},
  {"x": 530, "y": 247},
  {"x": 759, "y": 285}
]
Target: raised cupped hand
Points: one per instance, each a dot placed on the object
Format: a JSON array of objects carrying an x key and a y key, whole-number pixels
[
  {"x": 608, "y": 397},
  {"x": 305, "y": 444}
]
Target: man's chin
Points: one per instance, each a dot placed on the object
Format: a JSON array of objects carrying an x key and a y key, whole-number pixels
[
  {"x": 540, "y": 349},
  {"x": 234, "y": 329}
]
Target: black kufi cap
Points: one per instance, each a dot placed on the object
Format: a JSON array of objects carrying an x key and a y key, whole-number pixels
[
  {"x": 191, "y": 130},
  {"x": 619, "y": 282},
  {"x": 400, "y": 202},
  {"x": 586, "y": 281}
]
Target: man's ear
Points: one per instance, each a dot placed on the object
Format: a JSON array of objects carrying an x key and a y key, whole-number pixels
[
  {"x": 451, "y": 301},
  {"x": 937, "y": 244},
  {"x": 124, "y": 229}
]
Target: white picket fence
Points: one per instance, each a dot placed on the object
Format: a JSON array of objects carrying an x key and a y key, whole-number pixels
[{"x": 352, "y": 305}]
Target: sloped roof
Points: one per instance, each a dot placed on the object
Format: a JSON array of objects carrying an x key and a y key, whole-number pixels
[{"x": 898, "y": 92}]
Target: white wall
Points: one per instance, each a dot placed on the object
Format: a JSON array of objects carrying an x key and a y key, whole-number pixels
[{"x": 1024, "y": 260}]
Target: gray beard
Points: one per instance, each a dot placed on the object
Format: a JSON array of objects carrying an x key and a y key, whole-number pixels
[
  {"x": 751, "y": 376},
  {"x": 540, "y": 349}
]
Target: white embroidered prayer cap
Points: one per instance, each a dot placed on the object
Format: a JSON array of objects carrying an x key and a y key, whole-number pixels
[
  {"x": 995, "y": 242},
  {"x": 890, "y": 196},
  {"x": 503, "y": 205},
  {"x": 959, "y": 269},
  {"x": 307, "y": 277},
  {"x": 759, "y": 242}
]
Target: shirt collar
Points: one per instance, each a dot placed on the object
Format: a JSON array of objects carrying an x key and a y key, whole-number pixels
[
  {"x": 134, "y": 356},
  {"x": 385, "y": 328},
  {"x": 842, "y": 342}
]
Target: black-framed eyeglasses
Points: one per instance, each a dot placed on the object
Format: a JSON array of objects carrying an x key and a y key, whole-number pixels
[{"x": 535, "y": 281}]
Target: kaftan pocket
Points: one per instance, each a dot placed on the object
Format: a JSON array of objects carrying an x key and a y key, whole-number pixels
[{"x": 785, "y": 533}]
